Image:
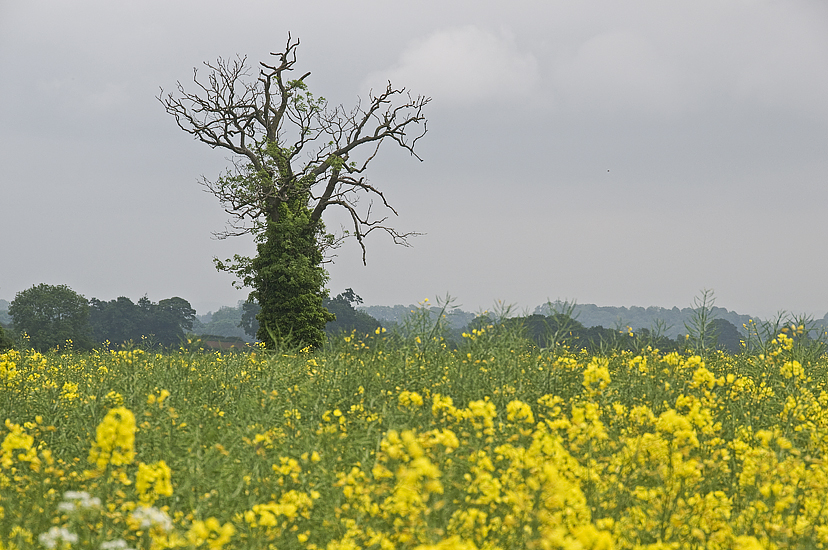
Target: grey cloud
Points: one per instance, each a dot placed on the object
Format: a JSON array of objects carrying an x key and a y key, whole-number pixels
[
  {"x": 463, "y": 66},
  {"x": 623, "y": 70},
  {"x": 756, "y": 55}
]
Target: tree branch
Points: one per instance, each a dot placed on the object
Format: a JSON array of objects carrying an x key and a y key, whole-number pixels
[{"x": 269, "y": 122}]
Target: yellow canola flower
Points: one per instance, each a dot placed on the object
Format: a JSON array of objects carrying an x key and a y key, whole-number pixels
[
  {"x": 443, "y": 405},
  {"x": 18, "y": 439},
  {"x": 703, "y": 377},
  {"x": 519, "y": 411},
  {"x": 792, "y": 369},
  {"x": 639, "y": 363},
  {"x": 69, "y": 392},
  {"x": 482, "y": 414},
  {"x": 153, "y": 481},
  {"x": 446, "y": 438},
  {"x": 115, "y": 443},
  {"x": 592, "y": 538},
  {"x": 290, "y": 505},
  {"x": 680, "y": 427},
  {"x": 8, "y": 367},
  {"x": 410, "y": 399},
  {"x": 784, "y": 341},
  {"x": 114, "y": 399},
  {"x": 162, "y": 395},
  {"x": 747, "y": 543},
  {"x": 597, "y": 374},
  {"x": 451, "y": 543},
  {"x": 211, "y": 532}
]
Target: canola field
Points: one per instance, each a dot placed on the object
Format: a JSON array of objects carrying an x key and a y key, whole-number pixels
[{"x": 384, "y": 443}]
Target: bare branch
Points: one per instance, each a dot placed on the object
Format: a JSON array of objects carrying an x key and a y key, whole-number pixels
[{"x": 288, "y": 145}]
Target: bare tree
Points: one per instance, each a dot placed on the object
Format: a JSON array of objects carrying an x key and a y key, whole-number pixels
[
  {"x": 292, "y": 155},
  {"x": 294, "y": 144}
]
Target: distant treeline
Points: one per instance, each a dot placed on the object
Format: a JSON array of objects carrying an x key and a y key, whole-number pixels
[
  {"x": 546, "y": 331},
  {"x": 671, "y": 322},
  {"x": 560, "y": 327},
  {"x": 49, "y": 316}
]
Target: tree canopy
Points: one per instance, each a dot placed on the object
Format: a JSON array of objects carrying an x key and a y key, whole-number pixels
[
  {"x": 348, "y": 318},
  {"x": 51, "y": 316},
  {"x": 119, "y": 321}
]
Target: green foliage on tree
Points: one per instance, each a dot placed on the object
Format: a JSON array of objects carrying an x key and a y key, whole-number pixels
[
  {"x": 348, "y": 318},
  {"x": 225, "y": 322},
  {"x": 561, "y": 329},
  {"x": 5, "y": 320},
  {"x": 51, "y": 316},
  {"x": 120, "y": 321},
  {"x": 5, "y": 340},
  {"x": 173, "y": 317},
  {"x": 728, "y": 337},
  {"x": 293, "y": 158},
  {"x": 249, "y": 321},
  {"x": 116, "y": 321}
]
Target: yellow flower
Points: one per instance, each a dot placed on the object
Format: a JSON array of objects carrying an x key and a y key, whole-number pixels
[
  {"x": 747, "y": 543},
  {"x": 69, "y": 392},
  {"x": 153, "y": 481},
  {"x": 597, "y": 373},
  {"x": 520, "y": 411},
  {"x": 17, "y": 439},
  {"x": 115, "y": 443},
  {"x": 410, "y": 399},
  {"x": 210, "y": 531}
]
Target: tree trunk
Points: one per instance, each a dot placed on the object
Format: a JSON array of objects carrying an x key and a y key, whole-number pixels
[{"x": 289, "y": 281}]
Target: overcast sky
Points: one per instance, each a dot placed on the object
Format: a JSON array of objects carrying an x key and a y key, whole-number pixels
[{"x": 616, "y": 153}]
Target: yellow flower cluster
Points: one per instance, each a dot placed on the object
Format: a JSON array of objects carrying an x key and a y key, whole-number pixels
[
  {"x": 69, "y": 392},
  {"x": 18, "y": 445},
  {"x": 153, "y": 399},
  {"x": 115, "y": 443},
  {"x": 410, "y": 399},
  {"x": 8, "y": 367},
  {"x": 210, "y": 533},
  {"x": 153, "y": 481}
]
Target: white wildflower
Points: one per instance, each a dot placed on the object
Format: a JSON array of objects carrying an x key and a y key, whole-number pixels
[
  {"x": 117, "y": 544},
  {"x": 150, "y": 516},
  {"x": 78, "y": 500},
  {"x": 55, "y": 535}
]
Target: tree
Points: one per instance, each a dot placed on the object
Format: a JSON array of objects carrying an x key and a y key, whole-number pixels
[
  {"x": 173, "y": 318},
  {"x": 51, "y": 316},
  {"x": 116, "y": 321},
  {"x": 5, "y": 340},
  {"x": 294, "y": 157},
  {"x": 728, "y": 337},
  {"x": 119, "y": 321},
  {"x": 226, "y": 321},
  {"x": 348, "y": 318},
  {"x": 250, "y": 310}
]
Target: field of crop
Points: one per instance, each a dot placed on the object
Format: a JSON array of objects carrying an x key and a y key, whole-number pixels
[{"x": 390, "y": 443}]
